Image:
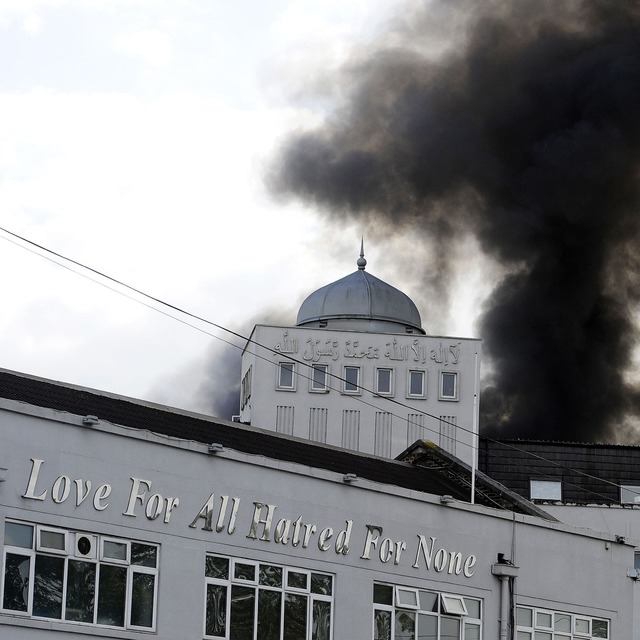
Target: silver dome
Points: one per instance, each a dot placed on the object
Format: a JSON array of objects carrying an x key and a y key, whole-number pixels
[{"x": 360, "y": 302}]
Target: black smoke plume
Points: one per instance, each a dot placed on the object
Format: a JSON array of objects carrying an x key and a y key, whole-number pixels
[
  {"x": 211, "y": 384},
  {"x": 523, "y": 129}
]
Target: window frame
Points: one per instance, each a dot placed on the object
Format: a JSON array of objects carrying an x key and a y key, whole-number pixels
[
  {"x": 533, "y": 627},
  {"x": 358, "y": 389},
  {"x": 53, "y": 550},
  {"x": 96, "y": 561},
  {"x": 633, "y": 490},
  {"x": 423, "y": 374},
  {"x": 225, "y": 584},
  {"x": 545, "y": 486},
  {"x": 432, "y": 607},
  {"x": 280, "y": 368},
  {"x": 312, "y": 378},
  {"x": 376, "y": 381},
  {"x": 456, "y": 386}
]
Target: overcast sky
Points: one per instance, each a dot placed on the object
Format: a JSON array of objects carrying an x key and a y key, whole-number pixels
[{"x": 135, "y": 137}]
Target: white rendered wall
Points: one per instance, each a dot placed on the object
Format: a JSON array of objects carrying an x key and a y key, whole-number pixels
[{"x": 449, "y": 422}]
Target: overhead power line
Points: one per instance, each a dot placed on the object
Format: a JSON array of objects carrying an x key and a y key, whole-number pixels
[{"x": 31, "y": 245}]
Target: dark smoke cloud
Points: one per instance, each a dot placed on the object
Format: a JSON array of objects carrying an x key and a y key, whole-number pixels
[
  {"x": 525, "y": 132},
  {"x": 211, "y": 385}
]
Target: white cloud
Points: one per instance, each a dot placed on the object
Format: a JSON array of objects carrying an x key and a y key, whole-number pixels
[{"x": 151, "y": 45}]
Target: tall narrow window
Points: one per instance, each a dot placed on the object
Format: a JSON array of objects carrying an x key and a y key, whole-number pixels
[
  {"x": 416, "y": 387},
  {"x": 319, "y": 377},
  {"x": 351, "y": 380},
  {"x": 384, "y": 382},
  {"x": 448, "y": 385},
  {"x": 286, "y": 379}
]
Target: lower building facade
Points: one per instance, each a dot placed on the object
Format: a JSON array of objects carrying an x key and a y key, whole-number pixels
[{"x": 111, "y": 530}]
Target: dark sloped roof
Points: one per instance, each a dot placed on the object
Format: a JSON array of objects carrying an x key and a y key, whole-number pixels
[
  {"x": 189, "y": 426},
  {"x": 487, "y": 491}
]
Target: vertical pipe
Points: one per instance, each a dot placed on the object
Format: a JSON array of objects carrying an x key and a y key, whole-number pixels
[
  {"x": 504, "y": 607},
  {"x": 475, "y": 440}
]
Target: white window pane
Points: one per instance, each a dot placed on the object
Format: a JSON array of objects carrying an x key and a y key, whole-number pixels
[
  {"x": 543, "y": 619},
  {"x": 582, "y": 625},
  {"x": 52, "y": 540},
  {"x": 524, "y": 617},
  {"x": 449, "y": 384},
  {"x": 406, "y": 597},
  {"x": 416, "y": 383},
  {"x": 351, "y": 378},
  {"x": 285, "y": 379},
  {"x": 383, "y": 380},
  {"x": 114, "y": 550},
  {"x": 17, "y": 534},
  {"x": 630, "y": 494},
  {"x": 319, "y": 377},
  {"x": 562, "y": 622},
  {"x": 453, "y": 605},
  {"x": 545, "y": 490}
]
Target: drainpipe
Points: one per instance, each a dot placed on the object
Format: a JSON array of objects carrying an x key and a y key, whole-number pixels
[{"x": 507, "y": 572}]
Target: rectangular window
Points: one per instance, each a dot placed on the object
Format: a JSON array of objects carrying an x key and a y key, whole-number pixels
[
  {"x": 245, "y": 389},
  {"x": 559, "y": 625},
  {"x": 416, "y": 387},
  {"x": 406, "y": 612},
  {"x": 351, "y": 380},
  {"x": 630, "y": 494},
  {"x": 319, "y": 377},
  {"x": 286, "y": 378},
  {"x": 55, "y": 574},
  {"x": 272, "y": 601},
  {"x": 384, "y": 382},
  {"x": 448, "y": 385},
  {"x": 545, "y": 490}
]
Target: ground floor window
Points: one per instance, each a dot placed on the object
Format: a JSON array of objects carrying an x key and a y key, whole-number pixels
[
  {"x": 543, "y": 624},
  {"x": 406, "y": 613},
  {"x": 79, "y": 577},
  {"x": 247, "y": 600}
]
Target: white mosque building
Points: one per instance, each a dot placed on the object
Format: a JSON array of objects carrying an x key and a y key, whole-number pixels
[{"x": 359, "y": 372}]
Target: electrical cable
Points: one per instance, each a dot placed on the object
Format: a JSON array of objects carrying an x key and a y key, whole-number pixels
[{"x": 248, "y": 340}]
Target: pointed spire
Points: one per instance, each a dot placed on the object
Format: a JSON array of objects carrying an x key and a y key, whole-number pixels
[{"x": 362, "y": 263}]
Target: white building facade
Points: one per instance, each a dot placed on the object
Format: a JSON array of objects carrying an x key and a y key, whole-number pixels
[
  {"x": 111, "y": 530},
  {"x": 357, "y": 371}
]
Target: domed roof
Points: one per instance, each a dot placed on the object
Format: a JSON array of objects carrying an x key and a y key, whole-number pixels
[{"x": 360, "y": 301}]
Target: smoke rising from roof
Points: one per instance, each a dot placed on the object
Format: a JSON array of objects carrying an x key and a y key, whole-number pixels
[
  {"x": 524, "y": 131},
  {"x": 211, "y": 385}
]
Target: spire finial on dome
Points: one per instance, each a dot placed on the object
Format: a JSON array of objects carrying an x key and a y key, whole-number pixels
[{"x": 362, "y": 263}]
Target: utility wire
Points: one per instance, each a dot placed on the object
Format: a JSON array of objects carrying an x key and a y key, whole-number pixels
[{"x": 248, "y": 340}]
